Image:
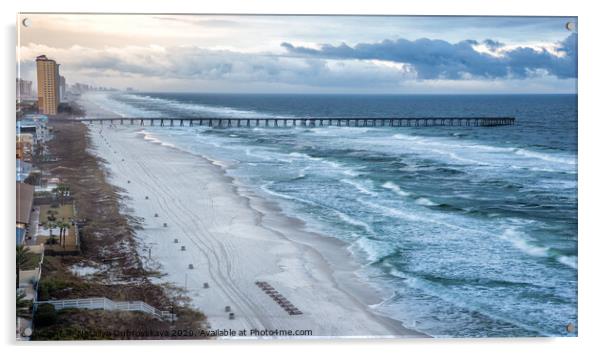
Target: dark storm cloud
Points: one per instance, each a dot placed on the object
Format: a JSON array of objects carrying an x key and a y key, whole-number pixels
[{"x": 439, "y": 59}]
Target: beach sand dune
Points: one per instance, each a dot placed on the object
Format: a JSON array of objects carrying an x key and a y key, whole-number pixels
[{"x": 232, "y": 241}]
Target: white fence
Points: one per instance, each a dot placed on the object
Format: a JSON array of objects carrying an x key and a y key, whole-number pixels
[{"x": 102, "y": 303}]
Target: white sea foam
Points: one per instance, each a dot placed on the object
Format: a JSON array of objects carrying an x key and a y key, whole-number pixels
[
  {"x": 546, "y": 157},
  {"x": 350, "y": 220},
  {"x": 521, "y": 242},
  {"x": 220, "y": 111},
  {"x": 395, "y": 188},
  {"x": 425, "y": 202},
  {"x": 455, "y": 223},
  {"x": 457, "y": 157},
  {"x": 303, "y": 172},
  {"x": 395, "y": 213},
  {"x": 474, "y": 303},
  {"x": 304, "y": 156},
  {"x": 338, "y": 131},
  {"x": 266, "y": 189},
  {"x": 405, "y": 137},
  {"x": 250, "y": 152},
  {"x": 487, "y": 155},
  {"x": 350, "y": 172},
  {"x": 335, "y": 165},
  {"x": 570, "y": 261},
  {"x": 153, "y": 139},
  {"x": 103, "y": 101},
  {"x": 373, "y": 250},
  {"x": 359, "y": 187}
]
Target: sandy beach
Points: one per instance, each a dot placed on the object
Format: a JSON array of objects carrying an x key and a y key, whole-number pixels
[{"x": 233, "y": 239}]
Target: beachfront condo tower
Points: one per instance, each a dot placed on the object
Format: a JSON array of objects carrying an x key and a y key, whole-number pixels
[{"x": 48, "y": 85}]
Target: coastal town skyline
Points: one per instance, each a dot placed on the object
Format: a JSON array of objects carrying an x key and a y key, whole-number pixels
[
  {"x": 307, "y": 54},
  {"x": 55, "y": 87}
]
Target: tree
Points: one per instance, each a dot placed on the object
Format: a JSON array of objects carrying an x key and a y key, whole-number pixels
[
  {"x": 62, "y": 191},
  {"x": 23, "y": 258},
  {"x": 51, "y": 215},
  {"x": 50, "y": 225},
  {"x": 63, "y": 227},
  {"x": 23, "y": 305}
]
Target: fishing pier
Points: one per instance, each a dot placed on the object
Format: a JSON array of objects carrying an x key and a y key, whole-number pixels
[{"x": 221, "y": 122}]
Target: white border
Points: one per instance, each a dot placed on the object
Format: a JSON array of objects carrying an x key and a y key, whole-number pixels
[{"x": 589, "y": 170}]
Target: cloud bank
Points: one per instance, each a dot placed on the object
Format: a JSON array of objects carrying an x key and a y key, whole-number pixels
[
  {"x": 194, "y": 63},
  {"x": 439, "y": 59},
  {"x": 423, "y": 65}
]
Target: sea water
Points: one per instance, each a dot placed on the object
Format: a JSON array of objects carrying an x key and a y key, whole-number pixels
[{"x": 471, "y": 230}]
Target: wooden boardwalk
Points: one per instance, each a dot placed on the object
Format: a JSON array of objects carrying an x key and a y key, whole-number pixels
[
  {"x": 279, "y": 122},
  {"x": 102, "y": 303}
]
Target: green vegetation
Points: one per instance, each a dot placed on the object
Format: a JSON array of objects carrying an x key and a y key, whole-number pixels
[
  {"x": 56, "y": 284},
  {"x": 33, "y": 179},
  {"x": 50, "y": 225},
  {"x": 24, "y": 257},
  {"x": 45, "y": 315},
  {"x": 63, "y": 227},
  {"x": 57, "y": 217},
  {"x": 78, "y": 324},
  {"x": 68, "y": 332},
  {"x": 55, "y": 212},
  {"x": 23, "y": 305}
]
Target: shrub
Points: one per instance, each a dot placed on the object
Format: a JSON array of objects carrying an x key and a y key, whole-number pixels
[
  {"x": 45, "y": 315},
  {"x": 49, "y": 285}
]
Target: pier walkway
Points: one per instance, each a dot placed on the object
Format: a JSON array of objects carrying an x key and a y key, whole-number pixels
[{"x": 220, "y": 122}]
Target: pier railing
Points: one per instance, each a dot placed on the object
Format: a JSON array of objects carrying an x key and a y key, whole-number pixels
[{"x": 220, "y": 122}]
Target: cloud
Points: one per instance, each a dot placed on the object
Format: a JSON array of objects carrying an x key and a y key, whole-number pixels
[
  {"x": 439, "y": 59},
  {"x": 193, "y": 63},
  {"x": 403, "y": 66}
]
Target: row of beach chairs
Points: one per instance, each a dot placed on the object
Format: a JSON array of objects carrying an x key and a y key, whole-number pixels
[{"x": 279, "y": 298}]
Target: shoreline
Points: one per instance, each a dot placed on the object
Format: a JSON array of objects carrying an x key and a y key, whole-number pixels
[
  {"x": 326, "y": 258},
  {"x": 335, "y": 253},
  {"x": 332, "y": 252}
]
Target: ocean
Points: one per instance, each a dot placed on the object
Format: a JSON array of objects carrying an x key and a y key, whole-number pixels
[{"x": 471, "y": 231}]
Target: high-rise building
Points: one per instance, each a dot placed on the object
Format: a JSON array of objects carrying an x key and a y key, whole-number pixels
[
  {"x": 23, "y": 88},
  {"x": 48, "y": 85},
  {"x": 62, "y": 88}
]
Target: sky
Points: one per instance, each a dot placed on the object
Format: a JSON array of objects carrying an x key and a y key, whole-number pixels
[{"x": 305, "y": 54}]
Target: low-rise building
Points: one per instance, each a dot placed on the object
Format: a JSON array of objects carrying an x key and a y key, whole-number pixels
[
  {"x": 25, "y": 146},
  {"x": 24, "y": 208},
  {"x": 35, "y": 124},
  {"x": 23, "y": 170}
]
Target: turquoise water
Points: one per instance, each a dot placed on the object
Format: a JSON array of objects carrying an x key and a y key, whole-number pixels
[{"x": 473, "y": 231}]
